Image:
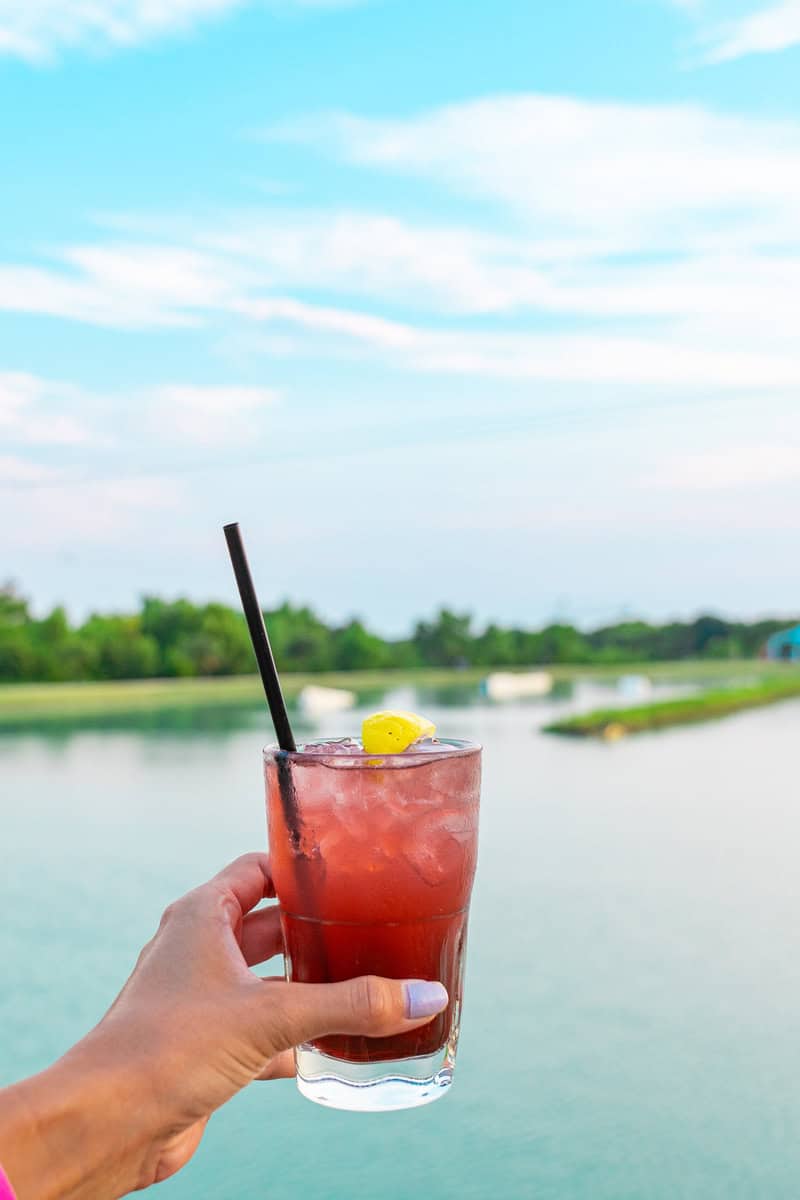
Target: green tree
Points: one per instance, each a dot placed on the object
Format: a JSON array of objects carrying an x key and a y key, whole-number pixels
[
  {"x": 496, "y": 647},
  {"x": 564, "y": 644},
  {"x": 119, "y": 648},
  {"x": 215, "y": 643},
  {"x": 18, "y": 659},
  {"x": 355, "y": 649},
  {"x": 723, "y": 647},
  {"x": 13, "y": 607},
  {"x": 446, "y": 641},
  {"x": 17, "y": 655},
  {"x": 708, "y": 629},
  {"x": 403, "y": 655},
  {"x": 169, "y": 624},
  {"x": 57, "y": 648},
  {"x": 300, "y": 640},
  {"x": 181, "y": 638},
  {"x": 630, "y": 641}
]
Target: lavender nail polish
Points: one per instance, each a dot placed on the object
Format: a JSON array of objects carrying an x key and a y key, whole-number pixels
[{"x": 424, "y": 999}]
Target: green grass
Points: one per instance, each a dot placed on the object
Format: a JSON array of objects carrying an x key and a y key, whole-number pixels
[
  {"x": 28, "y": 703},
  {"x": 704, "y": 706},
  {"x": 32, "y": 704}
]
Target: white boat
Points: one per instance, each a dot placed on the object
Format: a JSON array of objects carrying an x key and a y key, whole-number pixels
[
  {"x": 509, "y": 685},
  {"x": 316, "y": 701}
]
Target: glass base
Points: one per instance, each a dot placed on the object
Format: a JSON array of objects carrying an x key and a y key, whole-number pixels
[{"x": 373, "y": 1087}]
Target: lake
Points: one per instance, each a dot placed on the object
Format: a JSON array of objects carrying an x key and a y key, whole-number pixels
[{"x": 632, "y": 1014}]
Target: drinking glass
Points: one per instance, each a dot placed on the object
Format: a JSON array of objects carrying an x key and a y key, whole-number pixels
[{"x": 373, "y": 859}]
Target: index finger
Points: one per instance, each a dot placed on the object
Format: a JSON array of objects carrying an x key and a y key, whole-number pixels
[{"x": 247, "y": 880}]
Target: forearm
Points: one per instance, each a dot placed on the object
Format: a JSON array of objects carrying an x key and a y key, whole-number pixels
[{"x": 77, "y": 1131}]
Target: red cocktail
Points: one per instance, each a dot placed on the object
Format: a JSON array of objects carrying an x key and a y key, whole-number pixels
[{"x": 373, "y": 865}]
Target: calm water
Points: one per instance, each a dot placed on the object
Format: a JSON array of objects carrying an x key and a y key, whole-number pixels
[{"x": 632, "y": 1021}]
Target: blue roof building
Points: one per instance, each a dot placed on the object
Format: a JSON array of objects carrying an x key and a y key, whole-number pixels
[{"x": 784, "y": 646}]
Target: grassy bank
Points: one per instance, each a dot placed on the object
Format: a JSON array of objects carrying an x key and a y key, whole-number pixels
[
  {"x": 611, "y": 723},
  {"x": 25, "y": 703},
  {"x": 29, "y": 704}
]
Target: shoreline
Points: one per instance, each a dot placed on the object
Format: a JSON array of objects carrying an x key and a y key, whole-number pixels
[
  {"x": 611, "y": 724},
  {"x": 33, "y": 703}
]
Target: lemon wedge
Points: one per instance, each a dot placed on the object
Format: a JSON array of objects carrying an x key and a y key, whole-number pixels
[{"x": 393, "y": 732}]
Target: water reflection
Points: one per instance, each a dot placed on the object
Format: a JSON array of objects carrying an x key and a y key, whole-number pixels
[
  {"x": 210, "y": 720},
  {"x": 566, "y": 696}
]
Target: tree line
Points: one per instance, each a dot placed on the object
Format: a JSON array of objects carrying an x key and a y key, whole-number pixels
[{"x": 179, "y": 638}]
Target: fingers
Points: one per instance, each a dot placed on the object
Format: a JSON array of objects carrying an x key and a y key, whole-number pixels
[
  {"x": 261, "y": 935},
  {"x": 279, "y": 1067},
  {"x": 246, "y": 879},
  {"x": 369, "y": 1005}
]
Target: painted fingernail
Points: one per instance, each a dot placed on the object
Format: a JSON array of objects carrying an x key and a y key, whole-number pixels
[{"x": 424, "y": 999}]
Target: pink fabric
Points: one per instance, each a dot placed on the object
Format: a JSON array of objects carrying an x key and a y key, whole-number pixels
[{"x": 6, "y": 1190}]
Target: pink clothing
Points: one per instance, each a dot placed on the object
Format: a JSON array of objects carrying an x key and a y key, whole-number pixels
[{"x": 6, "y": 1190}]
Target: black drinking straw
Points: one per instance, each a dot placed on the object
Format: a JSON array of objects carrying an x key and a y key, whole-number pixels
[
  {"x": 258, "y": 636},
  {"x": 283, "y": 730},
  {"x": 269, "y": 677}
]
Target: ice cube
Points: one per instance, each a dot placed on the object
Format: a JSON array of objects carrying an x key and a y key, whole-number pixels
[
  {"x": 429, "y": 746},
  {"x": 345, "y": 745},
  {"x": 333, "y": 841},
  {"x": 439, "y": 844},
  {"x": 353, "y": 815}
]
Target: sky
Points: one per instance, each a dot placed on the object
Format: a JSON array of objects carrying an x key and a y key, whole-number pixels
[{"x": 490, "y": 304}]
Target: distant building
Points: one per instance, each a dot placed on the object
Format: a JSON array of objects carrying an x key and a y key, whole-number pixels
[{"x": 784, "y": 646}]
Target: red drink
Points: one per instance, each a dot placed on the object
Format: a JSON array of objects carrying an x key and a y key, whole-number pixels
[{"x": 377, "y": 877}]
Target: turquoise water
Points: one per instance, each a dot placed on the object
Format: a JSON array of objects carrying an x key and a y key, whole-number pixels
[{"x": 632, "y": 1019}]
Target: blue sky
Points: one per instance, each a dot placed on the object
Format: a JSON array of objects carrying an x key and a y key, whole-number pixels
[{"x": 491, "y": 304}]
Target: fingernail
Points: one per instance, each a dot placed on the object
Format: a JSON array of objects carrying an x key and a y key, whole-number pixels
[{"x": 423, "y": 998}]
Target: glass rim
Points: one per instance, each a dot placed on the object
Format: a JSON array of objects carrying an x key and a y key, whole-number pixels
[{"x": 456, "y": 748}]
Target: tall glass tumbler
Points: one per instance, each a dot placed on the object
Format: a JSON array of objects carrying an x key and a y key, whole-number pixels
[{"x": 373, "y": 860}]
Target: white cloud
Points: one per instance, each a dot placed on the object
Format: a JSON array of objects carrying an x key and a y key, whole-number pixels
[
  {"x": 458, "y": 270},
  {"x": 619, "y": 177},
  {"x": 451, "y": 267},
  {"x": 670, "y": 216},
  {"x": 742, "y": 292},
  {"x": 732, "y": 467},
  {"x": 144, "y": 285},
  {"x": 709, "y": 319},
  {"x": 38, "y": 30},
  {"x": 32, "y": 412},
  {"x": 660, "y": 242},
  {"x": 66, "y": 513},
  {"x": 163, "y": 275},
  {"x": 208, "y": 416},
  {"x": 122, "y": 286},
  {"x": 674, "y": 359},
  {"x": 40, "y": 416},
  {"x": 763, "y": 32},
  {"x": 16, "y": 470},
  {"x": 317, "y": 319}
]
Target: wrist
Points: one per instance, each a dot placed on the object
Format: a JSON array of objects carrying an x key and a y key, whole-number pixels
[{"x": 80, "y": 1129}]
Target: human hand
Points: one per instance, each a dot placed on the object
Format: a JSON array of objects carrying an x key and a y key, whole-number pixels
[{"x": 191, "y": 1027}]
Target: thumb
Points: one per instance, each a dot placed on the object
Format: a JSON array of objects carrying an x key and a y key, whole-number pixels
[{"x": 369, "y": 1005}]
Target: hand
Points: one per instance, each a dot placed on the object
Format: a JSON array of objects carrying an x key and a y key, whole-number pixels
[{"x": 191, "y": 1027}]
